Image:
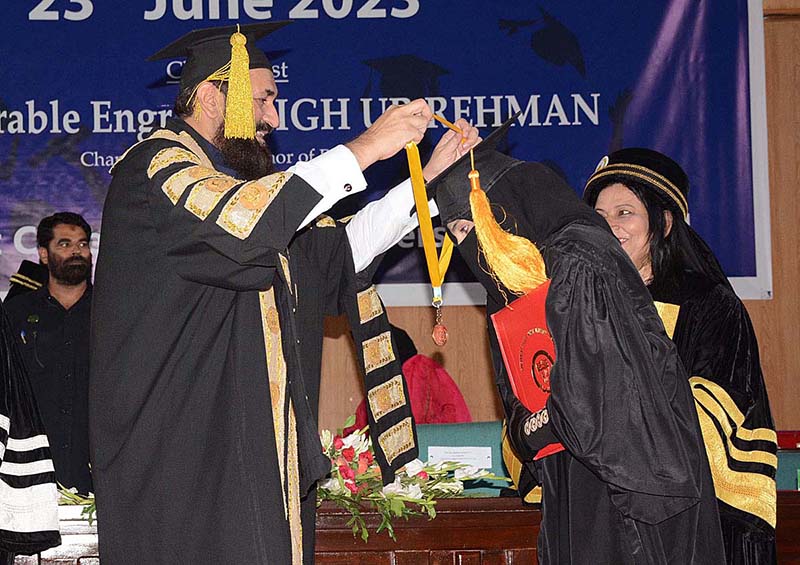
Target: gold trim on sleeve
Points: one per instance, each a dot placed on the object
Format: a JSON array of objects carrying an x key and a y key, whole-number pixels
[
  {"x": 325, "y": 221},
  {"x": 750, "y": 492},
  {"x": 242, "y": 212},
  {"x": 183, "y": 138},
  {"x": 397, "y": 440},
  {"x": 723, "y": 398},
  {"x": 207, "y": 193},
  {"x": 386, "y": 397},
  {"x": 669, "y": 316},
  {"x": 753, "y": 493},
  {"x": 286, "y": 272},
  {"x": 514, "y": 466},
  {"x": 27, "y": 282},
  {"x": 708, "y": 402},
  {"x": 369, "y": 304},
  {"x": 177, "y": 183},
  {"x": 170, "y": 156},
  {"x": 378, "y": 351}
]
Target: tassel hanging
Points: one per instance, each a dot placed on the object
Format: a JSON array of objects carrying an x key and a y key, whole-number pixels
[
  {"x": 513, "y": 260},
  {"x": 239, "y": 119}
]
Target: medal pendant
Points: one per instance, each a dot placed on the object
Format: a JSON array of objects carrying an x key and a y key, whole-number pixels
[{"x": 439, "y": 334}]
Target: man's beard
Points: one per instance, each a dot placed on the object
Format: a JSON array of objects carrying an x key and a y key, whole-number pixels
[
  {"x": 247, "y": 157},
  {"x": 72, "y": 271}
]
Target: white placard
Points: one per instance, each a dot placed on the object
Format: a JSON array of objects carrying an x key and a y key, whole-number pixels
[{"x": 480, "y": 457}]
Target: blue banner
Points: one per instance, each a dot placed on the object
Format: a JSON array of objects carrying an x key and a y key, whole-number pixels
[{"x": 589, "y": 77}]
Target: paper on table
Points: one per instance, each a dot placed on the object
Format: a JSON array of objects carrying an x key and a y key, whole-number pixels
[{"x": 476, "y": 456}]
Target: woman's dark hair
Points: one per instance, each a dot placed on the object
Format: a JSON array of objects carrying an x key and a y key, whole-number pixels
[
  {"x": 665, "y": 252},
  {"x": 44, "y": 233}
]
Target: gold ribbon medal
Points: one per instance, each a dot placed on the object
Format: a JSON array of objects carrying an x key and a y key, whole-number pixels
[{"x": 437, "y": 263}]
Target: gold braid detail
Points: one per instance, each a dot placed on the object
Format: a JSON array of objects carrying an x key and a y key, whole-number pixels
[
  {"x": 749, "y": 492},
  {"x": 659, "y": 182}
]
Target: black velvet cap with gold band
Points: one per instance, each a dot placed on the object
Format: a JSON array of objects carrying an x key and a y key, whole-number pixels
[{"x": 654, "y": 169}]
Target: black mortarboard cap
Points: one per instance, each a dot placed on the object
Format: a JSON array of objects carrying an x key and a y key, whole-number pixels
[
  {"x": 207, "y": 50},
  {"x": 451, "y": 187}
]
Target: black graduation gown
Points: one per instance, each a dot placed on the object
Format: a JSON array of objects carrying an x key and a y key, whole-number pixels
[
  {"x": 28, "y": 495},
  {"x": 632, "y": 485},
  {"x": 55, "y": 348},
  {"x": 184, "y": 455},
  {"x": 716, "y": 342}
]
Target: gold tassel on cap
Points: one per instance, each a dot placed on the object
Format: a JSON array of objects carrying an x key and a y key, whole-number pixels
[
  {"x": 239, "y": 119},
  {"x": 513, "y": 260}
]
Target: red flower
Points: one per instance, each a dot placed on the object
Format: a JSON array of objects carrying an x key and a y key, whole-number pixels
[
  {"x": 337, "y": 442},
  {"x": 423, "y": 475},
  {"x": 362, "y": 465},
  {"x": 348, "y": 454},
  {"x": 367, "y": 456},
  {"x": 347, "y": 472},
  {"x": 351, "y": 486}
]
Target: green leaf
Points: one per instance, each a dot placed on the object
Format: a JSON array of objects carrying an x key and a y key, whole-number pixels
[
  {"x": 351, "y": 420},
  {"x": 396, "y": 506}
]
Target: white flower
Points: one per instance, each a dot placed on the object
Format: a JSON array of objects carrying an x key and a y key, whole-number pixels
[
  {"x": 332, "y": 485},
  {"x": 449, "y": 487},
  {"x": 352, "y": 440},
  {"x": 413, "y": 468},
  {"x": 359, "y": 441},
  {"x": 439, "y": 465},
  {"x": 413, "y": 491},
  {"x": 469, "y": 472},
  {"x": 395, "y": 488}
]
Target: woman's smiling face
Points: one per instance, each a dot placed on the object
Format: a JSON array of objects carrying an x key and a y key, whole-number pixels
[{"x": 628, "y": 218}]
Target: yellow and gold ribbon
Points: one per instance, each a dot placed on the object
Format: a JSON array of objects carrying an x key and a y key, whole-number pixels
[{"x": 437, "y": 263}]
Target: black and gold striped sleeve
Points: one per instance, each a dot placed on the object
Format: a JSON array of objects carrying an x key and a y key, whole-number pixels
[
  {"x": 215, "y": 228},
  {"x": 717, "y": 343}
]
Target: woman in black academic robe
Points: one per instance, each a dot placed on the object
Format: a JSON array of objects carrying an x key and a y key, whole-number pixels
[
  {"x": 632, "y": 485},
  {"x": 643, "y": 196}
]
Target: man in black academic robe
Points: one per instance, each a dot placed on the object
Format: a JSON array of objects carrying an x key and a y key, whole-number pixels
[{"x": 207, "y": 330}]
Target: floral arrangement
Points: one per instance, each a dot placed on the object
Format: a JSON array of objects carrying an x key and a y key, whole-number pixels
[{"x": 355, "y": 483}]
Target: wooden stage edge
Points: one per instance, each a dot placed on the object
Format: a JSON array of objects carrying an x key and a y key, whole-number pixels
[
  {"x": 480, "y": 531},
  {"x": 466, "y": 531}
]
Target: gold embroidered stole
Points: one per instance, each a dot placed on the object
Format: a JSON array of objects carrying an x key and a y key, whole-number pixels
[{"x": 285, "y": 425}]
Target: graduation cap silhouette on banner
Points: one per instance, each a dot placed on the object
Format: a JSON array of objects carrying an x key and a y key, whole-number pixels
[
  {"x": 553, "y": 42},
  {"x": 406, "y": 75}
]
